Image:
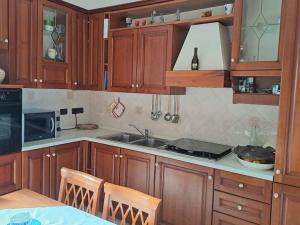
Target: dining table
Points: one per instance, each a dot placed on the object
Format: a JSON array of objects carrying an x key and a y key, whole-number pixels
[{"x": 43, "y": 210}]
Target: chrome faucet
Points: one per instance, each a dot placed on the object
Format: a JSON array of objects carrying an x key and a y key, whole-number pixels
[{"x": 145, "y": 134}]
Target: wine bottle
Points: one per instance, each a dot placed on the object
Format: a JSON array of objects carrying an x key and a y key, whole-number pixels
[{"x": 195, "y": 60}]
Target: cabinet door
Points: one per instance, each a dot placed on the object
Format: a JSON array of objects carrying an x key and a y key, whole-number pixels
[
  {"x": 80, "y": 51},
  {"x": 95, "y": 78},
  {"x": 122, "y": 60},
  {"x": 258, "y": 35},
  {"x": 68, "y": 156},
  {"x": 285, "y": 209},
  {"x": 24, "y": 71},
  {"x": 287, "y": 165},
  {"x": 3, "y": 24},
  {"x": 54, "y": 45},
  {"x": 154, "y": 58},
  {"x": 36, "y": 171},
  {"x": 137, "y": 171},
  {"x": 186, "y": 191},
  {"x": 10, "y": 173},
  {"x": 106, "y": 162}
]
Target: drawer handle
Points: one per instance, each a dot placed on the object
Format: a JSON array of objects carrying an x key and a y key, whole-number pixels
[
  {"x": 275, "y": 195},
  {"x": 241, "y": 186},
  {"x": 116, "y": 155},
  {"x": 210, "y": 178},
  {"x": 48, "y": 155},
  {"x": 239, "y": 207}
]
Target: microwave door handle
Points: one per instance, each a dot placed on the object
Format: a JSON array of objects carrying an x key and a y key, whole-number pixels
[{"x": 52, "y": 125}]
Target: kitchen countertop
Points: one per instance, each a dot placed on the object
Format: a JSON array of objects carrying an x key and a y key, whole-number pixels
[{"x": 228, "y": 163}]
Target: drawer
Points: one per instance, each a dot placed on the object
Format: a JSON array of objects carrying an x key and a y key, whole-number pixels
[
  {"x": 222, "y": 219},
  {"x": 246, "y": 209},
  {"x": 244, "y": 186}
]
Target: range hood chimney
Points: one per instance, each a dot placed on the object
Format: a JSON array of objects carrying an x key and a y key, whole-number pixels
[{"x": 213, "y": 43}]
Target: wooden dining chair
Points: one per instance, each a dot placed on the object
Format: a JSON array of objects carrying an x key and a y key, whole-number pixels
[
  {"x": 80, "y": 190},
  {"x": 129, "y": 205}
]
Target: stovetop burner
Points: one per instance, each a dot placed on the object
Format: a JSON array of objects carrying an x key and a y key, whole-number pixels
[{"x": 198, "y": 148}]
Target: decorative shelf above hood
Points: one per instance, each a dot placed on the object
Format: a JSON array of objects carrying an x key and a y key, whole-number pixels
[
  {"x": 198, "y": 78},
  {"x": 213, "y": 43}
]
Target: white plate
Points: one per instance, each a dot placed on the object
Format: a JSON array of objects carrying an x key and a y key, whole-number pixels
[{"x": 256, "y": 166}]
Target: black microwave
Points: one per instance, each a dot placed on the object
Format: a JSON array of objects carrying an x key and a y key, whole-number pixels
[{"x": 39, "y": 125}]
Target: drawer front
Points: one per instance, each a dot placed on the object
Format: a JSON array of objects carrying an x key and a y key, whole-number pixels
[
  {"x": 244, "y": 186},
  {"x": 246, "y": 209},
  {"x": 222, "y": 219}
]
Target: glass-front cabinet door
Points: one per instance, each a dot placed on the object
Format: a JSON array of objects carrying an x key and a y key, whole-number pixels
[
  {"x": 257, "y": 35},
  {"x": 54, "y": 45}
]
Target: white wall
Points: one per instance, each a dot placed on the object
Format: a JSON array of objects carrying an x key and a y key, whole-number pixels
[{"x": 206, "y": 114}]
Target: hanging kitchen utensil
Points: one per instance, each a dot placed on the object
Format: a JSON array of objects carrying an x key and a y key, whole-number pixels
[
  {"x": 153, "y": 112},
  {"x": 168, "y": 115},
  {"x": 118, "y": 108},
  {"x": 175, "y": 117},
  {"x": 159, "y": 112}
]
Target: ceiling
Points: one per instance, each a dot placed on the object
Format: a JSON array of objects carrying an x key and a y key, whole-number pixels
[{"x": 96, "y": 4}]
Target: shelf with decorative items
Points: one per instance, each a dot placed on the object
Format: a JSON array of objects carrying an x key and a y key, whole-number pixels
[
  {"x": 260, "y": 88},
  {"x": 181, "y": 13}
]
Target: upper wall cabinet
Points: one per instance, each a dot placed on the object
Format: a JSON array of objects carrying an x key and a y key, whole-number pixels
[
  {"x": 3, "y": 24},
  {"x": 54, "y": 45},
  {"x": 258, "y": 35},
  {"x": 140, "y": 57}
]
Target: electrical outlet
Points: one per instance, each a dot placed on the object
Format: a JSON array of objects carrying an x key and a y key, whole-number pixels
[
  {"x": 77, "y": 110},
  {"x": 63, "y": 112}
]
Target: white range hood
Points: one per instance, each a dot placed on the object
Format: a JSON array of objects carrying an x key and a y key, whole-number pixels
[{"x": 213, "y": 43}]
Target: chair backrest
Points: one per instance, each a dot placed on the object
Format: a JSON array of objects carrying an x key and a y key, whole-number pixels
[
  {"x": 131, "y": 205},
  {"x": 80, "y": 190}
]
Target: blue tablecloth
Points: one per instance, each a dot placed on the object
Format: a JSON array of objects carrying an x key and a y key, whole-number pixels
[{"x": 63, "y": 215}]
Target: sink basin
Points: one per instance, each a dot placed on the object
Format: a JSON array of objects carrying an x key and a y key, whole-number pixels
[
  {"x": 151, "y": 142},
  {"x": 123, "y": 137}
]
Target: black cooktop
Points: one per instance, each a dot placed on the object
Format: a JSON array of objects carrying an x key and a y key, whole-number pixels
[{"x": 198, "y": 148}]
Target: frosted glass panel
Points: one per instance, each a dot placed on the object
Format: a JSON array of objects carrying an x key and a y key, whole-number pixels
[
  {"x": 54, "y": 35},
  {"x": 260, "y": 30}
]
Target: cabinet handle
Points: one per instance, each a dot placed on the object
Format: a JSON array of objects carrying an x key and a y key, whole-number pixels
[
  {"x": 5, "y": 40},
  {"x": 210, "y": 177},
  {"x": 41, "y": 81},
  {"x": 35, "y": 80},
  {"x": 239, "y": 207},
  {"x": 275, "y": 195},
  {"x": 116, "y": 155},
  {"x": 277, "y": 172},
  {"x": 121, "y": 156},
  {"x": 48, "y": 155},
  {"x": 137, "y": 85},
  {"x": 53, "y": 154},
  {"x": 241, "y": 186},
  {"x": 232, "y": 60},
  {"x": 75, "y": 83},
  {"x": 156, "y": 164},
  {"x": 132, "y": 85}
]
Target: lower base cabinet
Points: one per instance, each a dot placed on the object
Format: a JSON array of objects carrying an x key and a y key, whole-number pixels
[
  {"x": 10, "y": 173},
  {"x": 41, "y": 167},
  {"x": 286, "y": 205},
  {"x": 222, "y": 219},
  {"x": 186, "y": 191}
]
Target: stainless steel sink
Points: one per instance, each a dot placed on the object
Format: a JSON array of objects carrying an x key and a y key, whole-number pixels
[
  {"x": 151, "y": 142},
  {"x": 123, "y": 137}
]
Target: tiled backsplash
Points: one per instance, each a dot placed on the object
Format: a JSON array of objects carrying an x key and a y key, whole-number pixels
[{"x": 206, "y": 114}]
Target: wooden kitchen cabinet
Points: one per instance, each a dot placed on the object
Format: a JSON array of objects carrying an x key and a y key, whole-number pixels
[
  {"x": 139, "y": 59},
  {"x": 54, "y": 47},
  {"x": 286, "y": 205},
  {"x": 186, "y": 191},
  {"x": 137, "y": 171},
  {"x": 258, "y": 35},
  {"x": 41, "y": 168},
  {"x": 4, "y": 24},
  {"x": 223, "y": 219},
  {"x": 124, "y": 167},
  {"x": 287, "y": 163},
  {"x": 36, "y": 170},
  {"x": 23, "y": 51},
  {"x": 10, "y": 173},
  {"x": 122, "y": 60}
]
